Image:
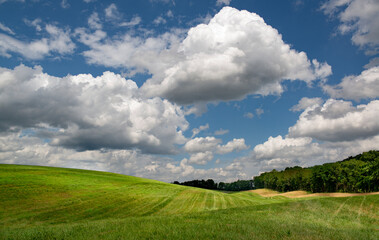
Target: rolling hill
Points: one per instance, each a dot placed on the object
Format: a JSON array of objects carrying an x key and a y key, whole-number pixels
[{"x": 58, "y": 203}]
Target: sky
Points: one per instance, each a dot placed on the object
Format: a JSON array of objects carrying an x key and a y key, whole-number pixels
[{"x": 180, "y": 90}]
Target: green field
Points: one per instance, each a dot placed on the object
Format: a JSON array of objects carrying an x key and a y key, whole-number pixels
[{"x": 58, "y": 203}]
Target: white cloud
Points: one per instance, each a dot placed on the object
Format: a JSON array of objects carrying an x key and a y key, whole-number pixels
[
  {"x": 3, "y": 1},
  {"x": 249, "y": 115},
  {"x": 278, "y": 147},
  {"x": 184, "y": 171},
  {"x": 35, "y": 23},
  {"x": 18, "y": 149},
  {"x": 197, "y": 109},
  {"x": 94, "y": 21},
  {"x": 133, "y": 22},
  {"x": 65, "y": 4},
  {"x": 196, "y": 131},
  {"x": 338, "y": 121},
  {"x": 374, "y": 62},
  {"x": 159, "y": 20},
  {"x": 212, "y": 144},
  {"x": 331, "y": 6},
  {"x": 201, "y": 144},
  {"x": 112, "y": 13},
  {"x": 279, "y": 153},
  {"x": 324, "y": 132},
  {"x": 136, "y": 54},
  {"x": 363, "y": 86},
  {"x": 6, "y": 29},
  {"x": 221, "y": 132},
  {"x": 231, "y": 146},
  {"x": 361, "y": 17},
  {"x": 305, "y": 103},
  {"x": 223, "y": 2},
  {"x": 201, "y": 158},
  {"x": 170, "y": 14},
  {"x": 236, "y": 54},
  {"x": 85, "y": 112},
  {"x": 259, "y": 111},
  {"x": 59, "y": 41},
  {"x": 88, "y": 1}
]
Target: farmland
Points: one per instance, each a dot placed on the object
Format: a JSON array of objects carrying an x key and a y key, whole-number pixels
[{"x": 58, "y": 203}]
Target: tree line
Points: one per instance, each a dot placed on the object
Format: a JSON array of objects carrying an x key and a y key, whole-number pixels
[
  {"x": 354, "y": 174},
  {"x": 239, "y": 185}
]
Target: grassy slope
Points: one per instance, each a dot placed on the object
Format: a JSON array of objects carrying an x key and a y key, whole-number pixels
[{"x": 56, "y": 203}]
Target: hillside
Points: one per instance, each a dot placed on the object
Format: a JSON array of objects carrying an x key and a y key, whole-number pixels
[
  {"x": 55, "y": 195},
  {"x": 58, "y": 203}
]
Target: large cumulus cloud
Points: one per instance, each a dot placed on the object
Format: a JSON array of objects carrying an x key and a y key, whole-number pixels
[
  {"x": 236, "y": 54},
  {"x": 86, "y": 112}
]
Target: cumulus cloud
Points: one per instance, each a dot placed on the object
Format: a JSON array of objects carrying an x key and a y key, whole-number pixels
[
  {"x": 59, "y": 41},
  {"x": 201, "y": 144},
  {"x": 236, "y": 54},
  {"x": 361, "y": 17},
  {"x": 324, "y": 132},
  {"x": 136, "y": 54},
  {"x": 279, "y": 153},
  {"x": 212, "y": 144},
  {"x": 363, "y": 86},
  {"x": 276, "y": 147},
  {"x": 338, "y": 121},
  {"x": 85, "y": 112},
  {"x": 231, "y": 146},
  {"x": 196, "y": 131},
  {"x": 201, "y": 158},
  {"x": 185, "y": 171},
  {"x": 305, "y": 103},
  {"x": 16, "y": 148}
]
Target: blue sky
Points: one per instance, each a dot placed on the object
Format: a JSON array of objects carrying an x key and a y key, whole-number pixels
[{"x": 180, "y": 90}]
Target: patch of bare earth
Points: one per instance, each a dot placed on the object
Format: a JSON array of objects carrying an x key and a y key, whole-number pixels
[{"x": 302, "y": 194}]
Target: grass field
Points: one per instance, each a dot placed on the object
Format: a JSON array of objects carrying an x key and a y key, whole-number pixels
[{"x": 57, "y": 203}]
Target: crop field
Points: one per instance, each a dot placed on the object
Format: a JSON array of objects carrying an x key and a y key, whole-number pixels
[{"x": 58, "y": 203}]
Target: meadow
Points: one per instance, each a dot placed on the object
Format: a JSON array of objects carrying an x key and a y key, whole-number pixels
[{"x": 57, "y": 203}]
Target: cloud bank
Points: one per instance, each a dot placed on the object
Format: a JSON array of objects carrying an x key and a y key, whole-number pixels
[{"x": 86, "y": 112}]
